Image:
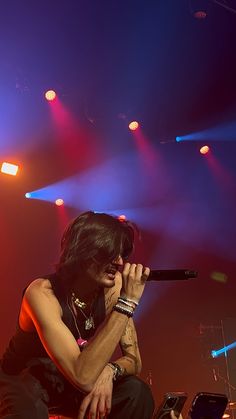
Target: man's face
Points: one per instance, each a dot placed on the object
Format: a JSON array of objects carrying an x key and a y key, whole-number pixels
[{"x": 106, "y": 277}]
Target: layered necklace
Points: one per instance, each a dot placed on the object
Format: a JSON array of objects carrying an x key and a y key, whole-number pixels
[{"x": 81, "y": 305}]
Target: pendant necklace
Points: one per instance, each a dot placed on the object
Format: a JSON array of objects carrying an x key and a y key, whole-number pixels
[
  {"x": 89, "y": 320},
  {"x": 73, "y": 315}
]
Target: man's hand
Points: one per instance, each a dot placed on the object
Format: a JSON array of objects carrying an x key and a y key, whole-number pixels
[
  {"x": 134, "y": 278},
  {"x": 97, "y": 404}
]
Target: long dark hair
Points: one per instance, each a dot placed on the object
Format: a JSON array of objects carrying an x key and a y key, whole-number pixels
[{"x": 93, "y": 238}]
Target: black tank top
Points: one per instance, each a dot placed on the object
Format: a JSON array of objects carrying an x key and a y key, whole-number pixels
[{"x": 25, "y": 347}]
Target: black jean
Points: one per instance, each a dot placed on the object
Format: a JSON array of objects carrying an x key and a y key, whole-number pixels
[{"x": 23, "y": 396}]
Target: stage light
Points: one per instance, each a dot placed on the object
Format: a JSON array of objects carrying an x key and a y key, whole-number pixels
[
  {"x": 198, "y": 8},
  {"x": 224, "y": 350},
  {"x": 205, "y": 149},
  {"x": 219, "y": 277},
  {"x": 59, "y": 202},
  {"x": 28, "y": 195},
  {"x": 133, "y": 125},
  {"x": 9, "y": 168},
  {"x": 122, "y": 218},
  {"x": 50, "y": 95},
  {"x": 200, "y": 14}
]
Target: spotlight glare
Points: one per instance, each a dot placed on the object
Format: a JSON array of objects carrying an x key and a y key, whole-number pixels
[
  {"x": 205, "y": 149},
  {"x": 219, "y": 276},
  {"x": 9, "y": 168},
  {"x": 28, "y": 195},
  {"x": 50, "y": 95},
  {"x": 213, "y": 354},
  {"x": 122, "y": 217},
  {"x": 59, "y": 202},
  {"x": 224, "y": 350},
  {"x": 133, "y": 125},
  {"x": 200, "y": 14}
]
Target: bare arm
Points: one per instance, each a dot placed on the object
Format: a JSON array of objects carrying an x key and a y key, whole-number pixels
[
  {"x": 81, "y": 368},
  {"x": 131, "y": 359}
]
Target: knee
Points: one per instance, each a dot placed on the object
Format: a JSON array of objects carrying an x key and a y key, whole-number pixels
[{"x": 137, "y": 389}]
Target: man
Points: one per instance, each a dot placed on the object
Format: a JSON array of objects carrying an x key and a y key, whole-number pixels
[{"x": 70, "y": 324}]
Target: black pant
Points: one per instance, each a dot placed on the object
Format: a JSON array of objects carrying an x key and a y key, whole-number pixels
[{"x": 24, "y": 397}]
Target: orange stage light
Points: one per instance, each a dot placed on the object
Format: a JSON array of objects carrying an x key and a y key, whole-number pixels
[
  {"x": 205, "y": 149},
  {"x": 50, "y": 95},
  {"x": 133, "y": 125},
  {"x": 59, "y": 202},
  {"x": 122, "y": 217},
  {"x": 9, "y": 168}
]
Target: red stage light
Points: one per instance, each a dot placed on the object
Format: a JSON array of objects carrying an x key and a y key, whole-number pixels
[
  {"x": 9, "y": 168},
  {"x": 122, "y": 218},
  {"x": 200, "y": 14},
  {"x": 133, "y": 125},
  {"x": 59, "y": 202},
  {"x": 50, "y": 95},
  {"x": 205, "y": 149}
]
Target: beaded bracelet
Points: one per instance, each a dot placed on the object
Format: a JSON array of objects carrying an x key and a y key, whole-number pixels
[
  {"x": 130, "y": 310},
  {"x": 123, "y": 310}
]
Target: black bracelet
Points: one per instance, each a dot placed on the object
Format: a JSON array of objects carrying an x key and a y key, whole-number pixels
[{"x": 118, "y": 370}]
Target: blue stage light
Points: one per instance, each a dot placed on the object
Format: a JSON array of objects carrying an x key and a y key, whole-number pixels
[
  {"x": 224, "y": 350},
  {"x": 28, "y": 195}
]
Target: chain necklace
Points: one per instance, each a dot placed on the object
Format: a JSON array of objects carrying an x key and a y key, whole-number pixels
[
  {"x": 89, "y": 320},
  {"x": 74, "y": 318}
]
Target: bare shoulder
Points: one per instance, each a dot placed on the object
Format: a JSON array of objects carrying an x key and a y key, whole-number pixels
[
  {"x": 39, "y": 289},
  {"x": 111, "y": 294},
  {"x": 40, "y": 298},
  {"x": 41, "y": 285}
]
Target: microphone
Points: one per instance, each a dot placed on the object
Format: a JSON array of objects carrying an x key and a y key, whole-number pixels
[{"x": 171, "y": 275}]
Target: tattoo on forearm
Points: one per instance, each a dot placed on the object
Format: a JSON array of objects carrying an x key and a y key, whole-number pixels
[
  {"x": 131, "y": 359},
  {"x": 109, "y": 301},
  {"x": 125, "y": 346},
  {"x": 130, "y": 350},
  {"x": 128, "y": 333}
]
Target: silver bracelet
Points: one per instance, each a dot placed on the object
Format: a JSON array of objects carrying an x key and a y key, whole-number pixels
[
  {"x": 118, "y": 371},
  {"x": 129, "y": 300},
  {"x": 126, "y": 303}
]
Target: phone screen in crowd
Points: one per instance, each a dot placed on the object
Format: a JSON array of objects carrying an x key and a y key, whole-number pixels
[
  {"x": 172, "y": 401},
  {"x": 208, "y": 406}
]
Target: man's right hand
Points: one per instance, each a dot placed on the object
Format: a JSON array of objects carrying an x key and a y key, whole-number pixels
[{"x": 133, "y": 281}]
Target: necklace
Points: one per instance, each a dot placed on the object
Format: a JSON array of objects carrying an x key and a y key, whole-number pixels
[
  {"x": 89, "y": 320},
  {"x": 74, "y": 318}
]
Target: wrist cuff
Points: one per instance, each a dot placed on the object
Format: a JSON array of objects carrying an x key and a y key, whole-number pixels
[{"x": 118, "y": 370}]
